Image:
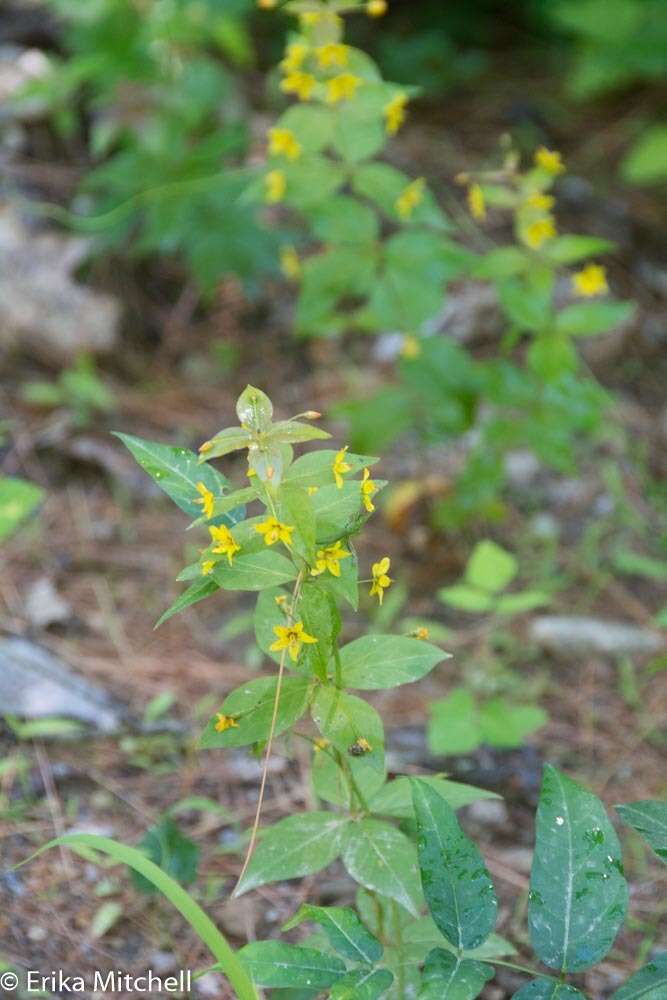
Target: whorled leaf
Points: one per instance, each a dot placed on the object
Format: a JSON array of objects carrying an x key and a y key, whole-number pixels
[
  {"x": 381, "y": 858},
  {"x": 449, "y": 977},
  {"x": 251, "y": 708},
  {"x": 362, "y": 984},
  {"x": 548, "y": 989},
  {"x": 374, "y": 662},
  {"x": 278, "y": 964},
  {"x": 649, "y": 818},
  {"x": 648, "y": 983},
  {"x": 344, "y": 930}
]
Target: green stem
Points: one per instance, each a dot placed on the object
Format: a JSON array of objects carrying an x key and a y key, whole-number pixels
[{"x": 398, "y": 943}]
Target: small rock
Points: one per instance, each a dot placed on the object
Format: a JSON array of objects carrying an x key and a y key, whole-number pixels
[
  {"x": 209, "y": 985},
  {"x": 34, "y": 684},
  {"x": 236, "y": 916},
  {"x": 37, "y": 933},
  {"x": 162, "y": 962},
  {"x": 18, "y": 67},
  {"x": 42, "y": 309},
  {"x": 563, "y": 635},
  {"x": 487, "y": 813},
  {"x": 44, "y": 606}
]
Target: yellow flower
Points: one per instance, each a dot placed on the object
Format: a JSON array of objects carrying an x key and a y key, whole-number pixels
[
  {"x": 320, "y": 743},
  {"x": 410, "y": 348},
  {"x": 340, "y": 466},
  {"x": 342, "y": 87},
  {"x": 329, "y": 559},
  {"x": 542, "y": 202},
  {"x": 206, "y": 499},
  {"x": 310, "y": 18},
  {"x": 225, "y": 722},
  {"x": 376, "y": 8},
  {"x": 591, "y": 280},
  {"x": 207, "y": 567},
  {"x": 380, "y": 579},
  {"x": 312, "y": 490},
  {"x": 410, "y": 197},
  {"x": 539, "y": 232},
  {"x": 290, "y": 264},
  {"x": 394, "y": 113},
  {"x": 226, "y": 544},
  {"x": 275, "y": 185},
  {"x": 282, "y": 142},
  {"x": 274, "y": 531},
  {"x": 291, "y": 638},
  {"x": 549, "y": 160},
  {"x": 299, "y": 83},
  {"x": 477, "y": 202},
  {"x": 421, "y": 633},
  {"x": 368, "y": 488},
  {"x": 295, "y": 55},
  {"x": 332, "y": 54}
]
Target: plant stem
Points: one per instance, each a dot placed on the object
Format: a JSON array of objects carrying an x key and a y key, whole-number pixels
[{"x": 398, "y": 942}]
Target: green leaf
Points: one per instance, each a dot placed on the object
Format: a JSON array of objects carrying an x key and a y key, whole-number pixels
[
  {"x": 382, "y": 859},
  {"x": 312, "y": 126},
  {"x": 453, "y": 727},
  {"x": 201, "y": 924},
  {"x": 570, "y": 249},
  {"x": 490, "y": 567},
  {"x": 344, "y": 220},
  {"x": 226, "y": 441},
  {"x": 587, "y": 319},
  {"x": 254, "y": 571},
  {"x": 503, "y": 724},
  {"x": 627, "y": 561},
  {"x": 295, "y": 432},
  {"x": 177, "y": 471},
  {"x": 316, "y": 468},
  {"x": 457, "y": 886},
  {"x": 278, "y": 964},
  {"x": 345, "y": 586},
  {"x": 295, "y": 508},
  {"x": 202, "y": 587},
  {"x": 345, "y": 932},
  {"x": 578, "y": 895},
  {"x": 649, "y": 983},
  {"x": 422, "y": 935},
  {"x": 375, "y": 662},
  {"x": 648, "y": 818},
  {"x": 344, "y": 720},
  {"x": 527, "y": 600},
  {"x": 251, "y": 705},
  {"x": 548, "y": 989},
  {"x": 337, "y": 511},
  {"x": 449, "y": 977},
  {"x": 395, "y": 798},
  {"x": 18, "y": 499},
  {"x": 321, "y": 617},
  {"x": 362, "y": 984},
  {"x": 175, "y": 854},
  {"x": 331, "y": 784},
  {"x": 267, "y": 615},
  {"x": 503, "y": 262},
  {"x": 105, "y": 918},
  {"x": 465, "y": 598},
  {"x": 646, "y": 163},
  {"x": 312, "y": 181},
  {"x": 297, "y": 846},
  {"x": 254, "y": 409}
]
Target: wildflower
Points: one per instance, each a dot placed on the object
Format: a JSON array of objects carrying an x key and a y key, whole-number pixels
[
  {"x": 207, "y": 567},
  {"x": 380, "y": 579},
  {"x": 360, "y": 747},
  {"x": 206, "y": 446},
  {"x": 476, "y": 202},
  {"x": 290, "y": 264},
  {"x": 206, "y": 499},
  {"x": 320, "y": 743},
  {"x": 280, "y": 600},
  {"x": 340, "y": 466},
  {"x": 275, "y": 185},
  {"x": 282, "y": 142},
  {"x": 539, "y": 232},
  {"x": 274, "y": 531},
  {"x": 225, "y": 722},
  {"x": 549, "y": 160},
  {"x": 591, "y": 280},
  {"x": 410, "y": 197},
  {"x": 342, "y": 87},
  {"x": 295, "y": 54},
  {"x": 310, "y": 18},
  {"x": 394, "y": 113},
  {"x": 332, "y": 54},
  {"x": 291, "y": 638},
  {"x": 410, "y": 348},
  {"x": 421, "y": 633},
  {"x": 368, "y": 488},
  {"x": 329, "y": 559},
  {"x": 299, "y": 83},
  {"x": 226, "y": 544},
  {"x": 312, "y": 490},
  {"x": 542, "y": 202},
  {"x": 376, "y": 8}
]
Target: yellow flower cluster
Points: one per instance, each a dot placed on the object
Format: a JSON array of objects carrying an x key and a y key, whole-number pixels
[
  {"x": 590, "y": 281},
  {"x": 283, "y": 142},
  {"x": 291, "y": 638},
  {"x": 410, "y": 198},
  {"x": 477, "y": 202},
  {"x": 395, "y": 113},
  {"x": 380, "y": 580},
  {"x": 274, "y": 531},
  {"x": 328, "y": 559}
]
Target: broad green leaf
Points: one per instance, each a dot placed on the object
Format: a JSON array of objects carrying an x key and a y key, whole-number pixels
[
  {"x": 587, "y": 319},
  {"x": 168, "y": 848},
  {"x": 649, "y": 983},
  {"x": 319, "y": 612},
  {"x": 345, "y": 720},
  {"x": 295, "y": 508},
  {"x": 382, "y": 859},
  {"x": 374, "y": 662},
  {"x": 226, "y": 441},
  {"x": 465, "y": 598},
  {"x": 344, "y": 220},
  {"x": 569, "y": 249},
  {"x": 202, "y": 587},
  {"x": 254, "y": 409},
  {"x": 18, "y": 499},
  {"x": 646, "y": 163},
  {"x": 316, "y": 468},
  {"x": 578, "y": 895},
  {"x": 267, "y": 615},
  {"x": 296, "y": 432},
  {"x": 346, "y": 586},
  {"x": 177, "y": 471},
  {"x": 490, "y": 567},
  {"x": 627, "y": 561},
  {"x": 312, "y": 126},
  {"x": 649, "y": 818},
  {"x": 106, "y": 916},
  {"x": 420, "y": 936},
  {"x": 503, "y": 262},
  {"x": 449, "y": 977},
  {"x": 362, "y": 984},
  {"x": 278, "y": 964},
  {"x": 524, "y": 305},
  {"x": 395, "y": 798},
  {"x": 254, "y": 571},
  {"x": 251, "y": 706},
  {"x": 453, "y": 726},
  {"x": 548, "y": 989},
  {"x": 332, "y": 784},
  {"x": 338, "y": 512},
  {"x": 381, "y": 184},
  {"x": 527, "y": 600},
  {"x": 200, "y": 922},
  {"x": 502, "y": 724},
  {"x": 344, "y": 930},
  {"x": 312, "y": 181},
  {"x": 297, "y": 846},
  {"x": 457, "y": 886}
]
